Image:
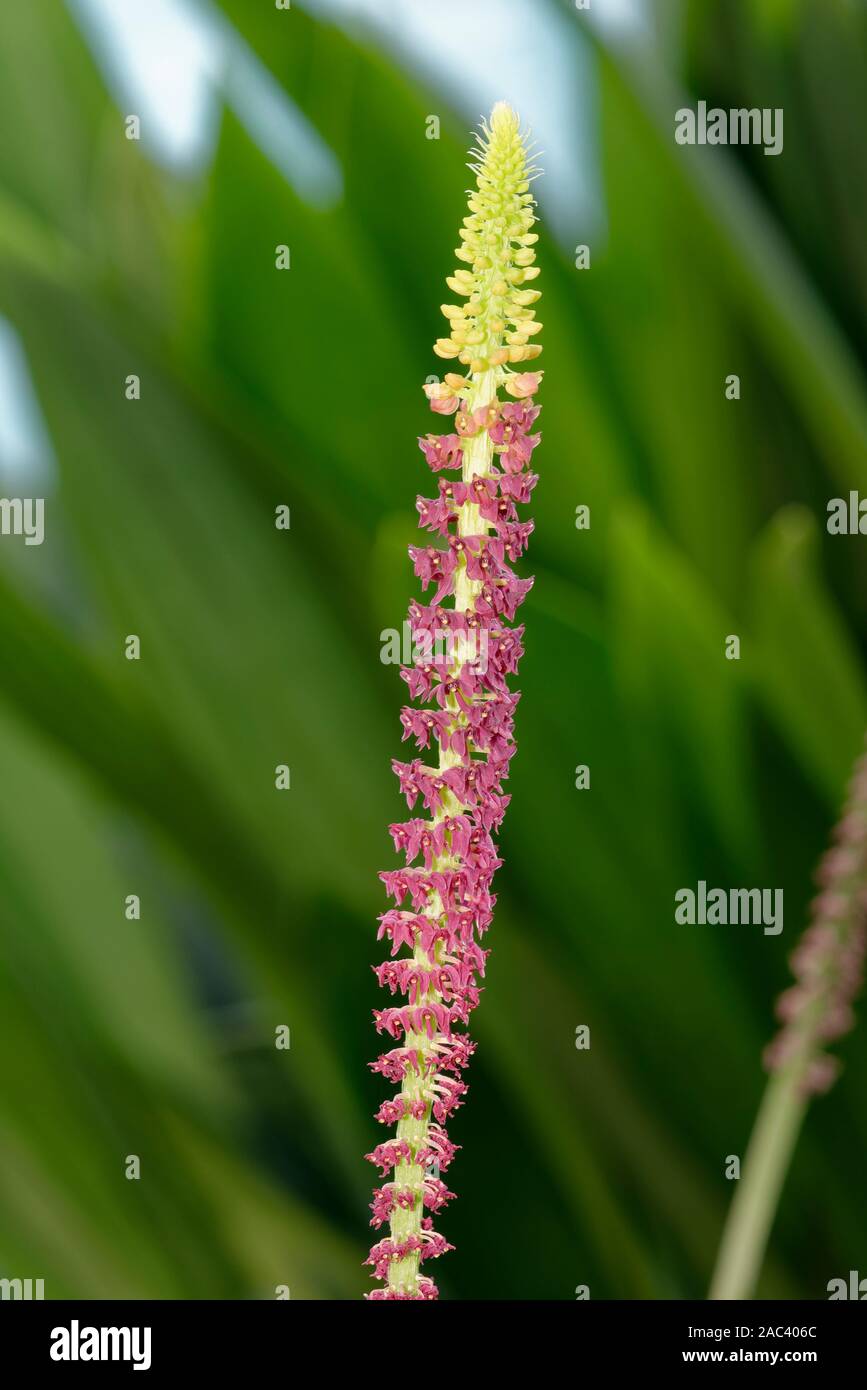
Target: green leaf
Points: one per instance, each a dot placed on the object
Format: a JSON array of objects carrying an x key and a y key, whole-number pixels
[{"x": 807, "y": 671}]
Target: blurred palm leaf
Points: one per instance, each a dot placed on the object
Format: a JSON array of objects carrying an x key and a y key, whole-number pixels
[{"x": 260, "y": 647}]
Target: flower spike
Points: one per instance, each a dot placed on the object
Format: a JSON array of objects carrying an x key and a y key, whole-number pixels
[
  {"x": 828, "y": 965},
  {"x": 465, "y": 650},
  {"x": 828, "y": 961}
]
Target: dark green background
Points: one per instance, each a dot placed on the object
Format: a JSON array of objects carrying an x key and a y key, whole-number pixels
[{"x": 260, "y": 647}]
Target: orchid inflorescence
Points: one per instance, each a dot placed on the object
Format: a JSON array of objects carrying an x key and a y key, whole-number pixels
[
  {"x": 828, "y": 961},
  {"x": 814, "y": 1012},
  {"x": 442, "y": 897}
]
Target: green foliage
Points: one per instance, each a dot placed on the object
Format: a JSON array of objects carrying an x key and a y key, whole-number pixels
[{"x": 261, "y": 647}]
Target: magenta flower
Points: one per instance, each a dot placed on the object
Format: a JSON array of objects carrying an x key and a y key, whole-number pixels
[{"x": 465, "y": 652}]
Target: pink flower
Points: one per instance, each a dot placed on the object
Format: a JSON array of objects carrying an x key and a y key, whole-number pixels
[
  {"x": 828, "y": 961},
  {"x": 442, "y": 899}
]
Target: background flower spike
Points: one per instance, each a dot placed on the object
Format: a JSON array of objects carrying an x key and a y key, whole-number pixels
[{"x": 828, "y": 965}]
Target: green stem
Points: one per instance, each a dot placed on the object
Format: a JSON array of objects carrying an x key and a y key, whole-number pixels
[{"x": 752, "y": 1211}]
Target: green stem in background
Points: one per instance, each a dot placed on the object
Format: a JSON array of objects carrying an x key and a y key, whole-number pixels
[
  {"x": 769, "y": 1154},
  {"x": 827, "y": 964}
]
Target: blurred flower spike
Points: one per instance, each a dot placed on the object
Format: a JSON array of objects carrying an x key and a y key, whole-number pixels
[{"x": 828, "y": 962}]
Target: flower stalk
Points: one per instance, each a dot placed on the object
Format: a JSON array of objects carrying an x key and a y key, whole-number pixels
[
  {"x": 815, "y": 1011},
  {"x": 465, "y": 649}
]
